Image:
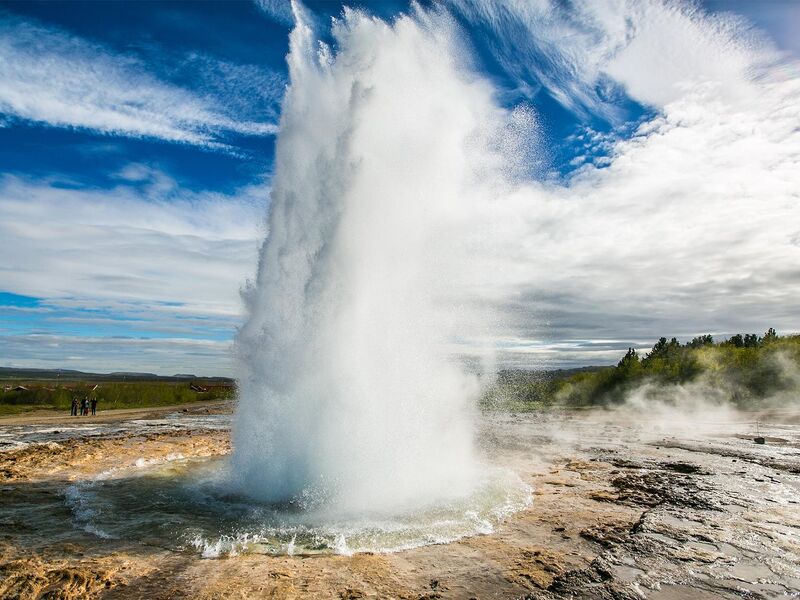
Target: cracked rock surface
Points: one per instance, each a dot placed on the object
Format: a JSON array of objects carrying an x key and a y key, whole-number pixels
[{"x": 623, "y": 509}]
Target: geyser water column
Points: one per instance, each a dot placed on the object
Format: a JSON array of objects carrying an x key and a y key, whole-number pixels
[{"x": 349, "y": 396}]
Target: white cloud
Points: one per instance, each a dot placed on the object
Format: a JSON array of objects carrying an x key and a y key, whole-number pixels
[
  {"x": 149, "y": 260},
  {"x": 278, "y": 10},
  {"x": 580, "y": 51},
  {"x": 692, "y": 227},
  {"x": 672, "y": 48},
  {"x": 689, "y": 229},
  {"x": 543, "y": 43},
  {"x": 148, "y": 245},
  {"x": 163, "y": 356},
  {"x": 51, "y": 77}
]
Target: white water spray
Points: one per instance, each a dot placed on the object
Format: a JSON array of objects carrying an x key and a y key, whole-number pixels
[{"x": 349, "y": 394}]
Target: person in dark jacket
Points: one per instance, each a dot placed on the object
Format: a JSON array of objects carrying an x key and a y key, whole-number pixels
[
  {"x": 94, "y": 406},
  {"x": 73, "y": 411}
]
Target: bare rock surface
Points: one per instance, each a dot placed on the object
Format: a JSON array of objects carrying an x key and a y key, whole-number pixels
[{"x": 620, "y": 511}]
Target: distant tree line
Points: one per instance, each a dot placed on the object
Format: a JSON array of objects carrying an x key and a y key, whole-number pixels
[{"x": 746, "y": 368}]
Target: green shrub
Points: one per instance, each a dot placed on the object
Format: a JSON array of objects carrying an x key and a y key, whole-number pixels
[{"x": 746, "y": 367}]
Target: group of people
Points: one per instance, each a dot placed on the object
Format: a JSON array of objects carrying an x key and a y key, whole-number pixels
[{"x": 82, "y": 407}]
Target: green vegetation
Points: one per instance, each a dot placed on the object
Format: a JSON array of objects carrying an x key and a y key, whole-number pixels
[
  {"x": 746, "y": 370},
  {"x": 24, "y": 395}
]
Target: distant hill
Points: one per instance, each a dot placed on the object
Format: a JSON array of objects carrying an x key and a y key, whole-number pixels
[
  {"x": 125, "y": 374},
  {"x": 73, "y": 375}
]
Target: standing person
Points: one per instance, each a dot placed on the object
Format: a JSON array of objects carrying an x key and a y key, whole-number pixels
[
  {"x": 85, "y": 406},
  {"x": 94, "y": 406},
  {"x": 73, "y": 411}
]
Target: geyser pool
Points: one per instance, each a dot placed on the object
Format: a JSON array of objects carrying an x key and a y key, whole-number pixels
[
  {"x": 186, "y": 505},
  {"x": 350, "y": 397}
]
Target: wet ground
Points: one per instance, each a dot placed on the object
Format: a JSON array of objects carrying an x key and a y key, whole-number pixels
[{"x": 623, "y": 508}]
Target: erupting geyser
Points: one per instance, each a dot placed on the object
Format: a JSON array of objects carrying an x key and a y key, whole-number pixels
[{"x": 350, "y": 397}]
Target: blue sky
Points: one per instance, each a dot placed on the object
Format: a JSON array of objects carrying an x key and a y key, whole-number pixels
[{"x": 136, "y": 154}]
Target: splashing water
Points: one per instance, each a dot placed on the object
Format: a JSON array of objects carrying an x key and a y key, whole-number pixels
[
  {"x": 350, "y": 397},
  {"x": 185, "y": 505}
]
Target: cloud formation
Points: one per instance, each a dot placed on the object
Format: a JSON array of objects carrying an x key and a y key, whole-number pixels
[
  {"x": 166, "y": 356},
  {"x": 130, "y": 243},
  {"x": 585, "y": 53},
  {"x": 150, "y": 260},
  {"x": 57, "y": 79},
  {"x": 690, "y": 226},
  {"x": 278, "y": 10}
]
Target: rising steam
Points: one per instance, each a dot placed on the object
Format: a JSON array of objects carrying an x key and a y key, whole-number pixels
[{"x": 349, "y": 393}]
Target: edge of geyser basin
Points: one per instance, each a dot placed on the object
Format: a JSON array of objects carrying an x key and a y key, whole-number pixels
[
  {"x": 77, "y": 501},
  {"x": 477, "y": 514},
  {"x": 230, "y": 546}
]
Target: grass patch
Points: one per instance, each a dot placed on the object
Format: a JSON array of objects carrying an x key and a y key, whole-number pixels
[
  {"x": 10, "y": 410},
  {"x": 21, "y": 395}
]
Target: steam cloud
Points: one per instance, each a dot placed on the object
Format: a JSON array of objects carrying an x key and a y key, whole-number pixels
[{"x": 349, "y": 393}]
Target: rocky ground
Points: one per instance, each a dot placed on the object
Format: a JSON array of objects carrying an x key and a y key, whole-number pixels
[{"x": 623, "y": 509}]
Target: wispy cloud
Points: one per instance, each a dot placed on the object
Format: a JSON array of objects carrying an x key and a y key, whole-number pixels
[
  {"x": 691, "y": 223},
  {"x": 278, "y": 10},
  {"x": 54, "y": 78},
  {"x": 156, "y": 355},
  {"x": 144, "y": 258},
  {"x": 588, "y": 54},
  {"x": 690, "y": 227}
]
